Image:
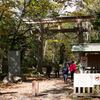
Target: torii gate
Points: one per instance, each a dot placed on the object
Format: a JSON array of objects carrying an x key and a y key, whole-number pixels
[
  {"x": 59, "y": 20},
  {"x": 67, "y": 19}
]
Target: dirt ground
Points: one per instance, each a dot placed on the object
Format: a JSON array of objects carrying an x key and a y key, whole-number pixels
[{"x": 53, "y": 89}]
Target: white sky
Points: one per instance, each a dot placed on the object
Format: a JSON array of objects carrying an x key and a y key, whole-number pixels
[{"x": 69, "y": 6}]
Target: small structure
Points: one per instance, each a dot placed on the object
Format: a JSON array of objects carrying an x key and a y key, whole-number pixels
[
  {"x": 90, "y": 55},
  {"x": 88, "y": 83}
]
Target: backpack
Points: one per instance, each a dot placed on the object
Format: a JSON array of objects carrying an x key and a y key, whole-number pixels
[{"x": 65, "y": 70}]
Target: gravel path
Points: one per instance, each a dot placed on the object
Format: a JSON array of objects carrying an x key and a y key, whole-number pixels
[{"x": 48, "y": 90}]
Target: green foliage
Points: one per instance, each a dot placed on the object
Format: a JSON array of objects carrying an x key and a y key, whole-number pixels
[
  {"x": 92, "y": 5},
  {"x": 38, "y": 8},
  {"x": 6, "y": 21},
  {"x": 79, "y": 13},
  {"x": 96, "y": 23}
]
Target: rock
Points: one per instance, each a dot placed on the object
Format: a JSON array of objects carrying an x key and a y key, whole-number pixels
[
  {"x": 5, "y": 80},
  {"x": 12, "y": 79},
  {"x": 17, "y": 79}
]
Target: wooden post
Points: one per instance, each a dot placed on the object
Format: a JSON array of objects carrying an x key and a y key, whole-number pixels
[
  {"x": 80, "y": 35},
  {"x": 35, "y": 88}
]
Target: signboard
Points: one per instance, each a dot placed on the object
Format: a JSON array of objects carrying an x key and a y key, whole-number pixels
[
  {"x": 84, "y": 61},
  {"x": 14, "y": 62},
  {"x": 86, "y": 80},
  {"x": 96, "y": 79}
]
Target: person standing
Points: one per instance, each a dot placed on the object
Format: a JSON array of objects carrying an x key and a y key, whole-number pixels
[
  {"x": 79, "y": 67},
  {"x": 48, "y": 71},
  {"x": 65, "y": 72},
  {"x": 56, "y": 70},
  {"x": 72, "y": 69}
]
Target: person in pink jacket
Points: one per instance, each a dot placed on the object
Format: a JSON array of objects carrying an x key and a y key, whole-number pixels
[{"x": 72, "y": 69}]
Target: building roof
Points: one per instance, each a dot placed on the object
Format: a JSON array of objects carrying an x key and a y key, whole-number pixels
[{"x": 86, "y": 47}]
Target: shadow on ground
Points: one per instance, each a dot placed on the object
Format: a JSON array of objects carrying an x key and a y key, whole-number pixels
[
  {"x": 30, "y": 79},
  {"x": 64, "y": 89},
  {"x": 59, "y": 91},
  {"x": 7, "y": 93}
]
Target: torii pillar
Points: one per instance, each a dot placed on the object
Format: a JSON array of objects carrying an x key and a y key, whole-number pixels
[{"x": 80, "y": 36}]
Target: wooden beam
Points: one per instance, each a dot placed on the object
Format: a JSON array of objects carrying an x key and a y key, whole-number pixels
[
  {"x": 73, "y": 30},
  {"x": 59, "y": 19}
]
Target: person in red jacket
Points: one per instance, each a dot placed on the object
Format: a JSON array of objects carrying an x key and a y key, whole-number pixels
[{"x": 72, "y": 69}]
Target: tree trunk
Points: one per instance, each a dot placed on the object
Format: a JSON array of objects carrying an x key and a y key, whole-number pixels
[{"x": 40, "y": 49}]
